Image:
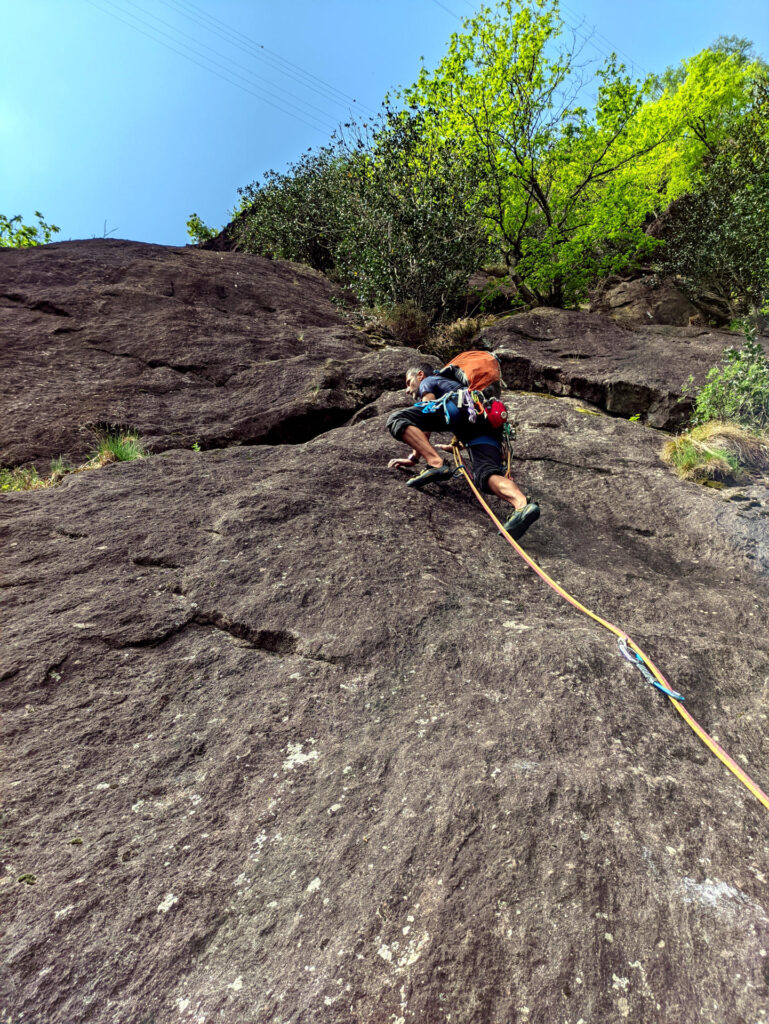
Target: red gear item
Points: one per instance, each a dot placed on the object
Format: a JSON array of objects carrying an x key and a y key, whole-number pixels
[{"x": 496, "y": 414}]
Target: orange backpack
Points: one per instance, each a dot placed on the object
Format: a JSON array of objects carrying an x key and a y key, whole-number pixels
[{"x": 474, "y": 370}]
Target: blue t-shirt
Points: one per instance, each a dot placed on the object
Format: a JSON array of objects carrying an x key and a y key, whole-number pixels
[{"x": 436, "y": 385}]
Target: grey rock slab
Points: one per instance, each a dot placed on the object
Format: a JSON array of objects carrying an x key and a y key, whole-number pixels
[
  {"x": 645, "y": 299},
  {"x": 180, "y": 344},
  {"x": 286, "y": 741},
  {"x": 622, "y": 368}
]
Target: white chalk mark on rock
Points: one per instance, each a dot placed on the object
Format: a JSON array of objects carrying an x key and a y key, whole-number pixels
[
  {"x": 296, "y": 757},
  {"x": 167, "y": 903}
]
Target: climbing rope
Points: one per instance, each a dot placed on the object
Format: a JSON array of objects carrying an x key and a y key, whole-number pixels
[{"x": 625, "y": 641}]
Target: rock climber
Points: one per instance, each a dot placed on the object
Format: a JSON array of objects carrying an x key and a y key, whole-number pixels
[{"x": 414, "y": 425}]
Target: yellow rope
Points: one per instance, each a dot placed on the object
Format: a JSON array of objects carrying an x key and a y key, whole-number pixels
[{"x": 709, "y": 742}]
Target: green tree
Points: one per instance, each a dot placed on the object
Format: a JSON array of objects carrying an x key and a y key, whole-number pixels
[
  {"x": 738, "y": 390},
  {"x": 16, "y": 235},
  {"x": 198, "y": 230},
  {"x": 717, "y": 241},
  {"x": 301, "y": 214},
  {"x": 509, "y": 89},
  {"x": 567, "y": 190},
  {"x": 385, "y": 207},
  {"x": 496, "y": 154},
  {"x": 415, "y": 235}
]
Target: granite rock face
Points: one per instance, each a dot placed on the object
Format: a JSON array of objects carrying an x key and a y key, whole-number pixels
[
  {"x": 286, "y": 741},
  {"x": 622, "y": 368},
  {"x": 645, "y": 300},
  {"x": 182, "y": 345}
]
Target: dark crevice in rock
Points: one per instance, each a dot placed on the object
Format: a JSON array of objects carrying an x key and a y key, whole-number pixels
[
  {"x": 148, "y": 641},
  {"x": 48, "y": 307},
  {"x": 306, "y": 426},
  {"x": 271, "y": 640},
  {"x": 155, "y": 562},
  {"x": 279, "y": 642},
  {"x": 154, "y": 364},
  {"x": 41, "y": 306}
]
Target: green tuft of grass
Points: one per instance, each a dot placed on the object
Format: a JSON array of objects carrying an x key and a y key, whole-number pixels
[
  {"x": 717, "y": 450},
  {"x": 59, "y": 469},
  {"x": 21, "y": 479},
  {"x": 118, "y": 448},
  {"x": 447, "y": 340},
  {"x": 112, "y": 448}
]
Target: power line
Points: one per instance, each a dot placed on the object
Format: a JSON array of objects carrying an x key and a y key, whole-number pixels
[
  {"x": 226, "y": 57},
  {"x": 324, "y": 129},
  {"x": 446, "y": 9},
  {"x": 607, "y": 42},
  {"x": 263, "y": 93},
  {"x": 262, "y": 52}
]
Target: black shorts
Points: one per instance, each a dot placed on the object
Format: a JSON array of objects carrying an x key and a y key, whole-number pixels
[
  {"x": 485, "y": 458},
  {"x": 430, "y": 422},
  {"x": 486, "y": 461}
]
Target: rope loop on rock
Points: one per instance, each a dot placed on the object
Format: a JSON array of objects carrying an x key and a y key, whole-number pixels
[{"x": 629, "y": 643}]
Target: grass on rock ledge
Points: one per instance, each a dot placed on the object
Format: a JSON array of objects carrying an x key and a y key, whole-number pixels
[
  {"x": 718, "y": 450},
  {"x": 111, "y": 448}
]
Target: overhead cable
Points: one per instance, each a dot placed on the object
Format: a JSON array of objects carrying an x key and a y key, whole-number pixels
[
  {"x": 607, "y": 42},
  {"x": 607, "y": 54},
  {"x": 231, "y": 63},
  {"x": 315, "y": 124},
  {"x": 262, "y": 52}
]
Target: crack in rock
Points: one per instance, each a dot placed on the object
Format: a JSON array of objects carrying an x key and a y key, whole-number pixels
[{"x": 41, "y": 306}]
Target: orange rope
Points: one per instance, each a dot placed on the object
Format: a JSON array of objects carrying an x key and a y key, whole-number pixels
[{"x": 690, "y": 721}]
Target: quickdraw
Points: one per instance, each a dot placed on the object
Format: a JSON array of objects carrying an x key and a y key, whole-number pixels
[{"x": 637, "y": 660}]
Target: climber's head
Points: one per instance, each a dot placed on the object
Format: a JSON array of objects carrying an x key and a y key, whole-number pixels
[{"x": 415, "y": 375}]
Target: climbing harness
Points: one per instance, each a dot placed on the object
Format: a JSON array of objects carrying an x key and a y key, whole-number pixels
[
  {"x": 455, "y": 404},
  {"x": 646, "y": 664}
]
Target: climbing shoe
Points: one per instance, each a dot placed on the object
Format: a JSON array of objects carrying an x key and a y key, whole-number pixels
[
  {"x": 429, "y": 475},
  {"x": 520, "y": 521}
]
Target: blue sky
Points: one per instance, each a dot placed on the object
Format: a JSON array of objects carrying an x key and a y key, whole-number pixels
[{"x": 101, "y": 123}]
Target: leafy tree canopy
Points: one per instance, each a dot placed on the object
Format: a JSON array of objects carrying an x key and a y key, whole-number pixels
[
  {"x": 567, "y": 189},
  {"x": 517, "y": 149},
  {"x": 198, "y": 230},
  {"x": 16, "y": 235}
]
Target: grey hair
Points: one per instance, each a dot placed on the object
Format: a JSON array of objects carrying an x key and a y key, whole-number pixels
[{"x": 424, "y": 368}]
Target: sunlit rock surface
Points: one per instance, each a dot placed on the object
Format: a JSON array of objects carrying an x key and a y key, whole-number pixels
[{"x": 286, "y": 741}]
